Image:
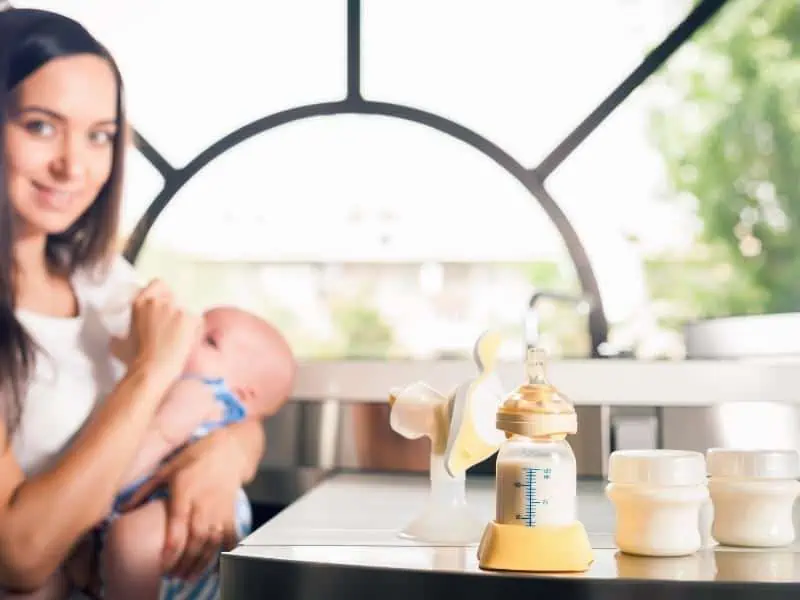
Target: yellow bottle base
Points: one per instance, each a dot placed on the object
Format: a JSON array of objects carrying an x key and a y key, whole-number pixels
[{"x": 543, "y": 549}]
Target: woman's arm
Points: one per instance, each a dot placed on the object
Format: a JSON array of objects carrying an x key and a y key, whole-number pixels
[
  {"x": 204, "y": 479},
  {"x": 187, "y": 405},
  {"x": 35, "y": 534},
  {"x": 42, "y": 517},
  {"x": 250, "y": 438}
]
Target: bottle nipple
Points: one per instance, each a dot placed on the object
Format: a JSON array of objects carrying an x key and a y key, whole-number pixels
[
  {"x": 535, "y": 366},
  {"x": 536, "y": 408}
]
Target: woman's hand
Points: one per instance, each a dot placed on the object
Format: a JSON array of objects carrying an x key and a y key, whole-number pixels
[
  {"x": 124, "y": 349},
  {"x": 203, "y": 481},
  {"x": 163, "y": 333}
]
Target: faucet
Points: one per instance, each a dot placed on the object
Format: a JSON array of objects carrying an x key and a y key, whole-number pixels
[{"x": 582, "y": 302}]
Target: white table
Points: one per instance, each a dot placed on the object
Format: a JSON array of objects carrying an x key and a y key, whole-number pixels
[{"x": 341, "y": 540}]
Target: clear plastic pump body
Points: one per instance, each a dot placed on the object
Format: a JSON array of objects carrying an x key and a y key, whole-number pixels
[{"x": 536, "y": 482}]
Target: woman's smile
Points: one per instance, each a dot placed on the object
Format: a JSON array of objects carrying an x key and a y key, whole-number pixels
[{"x": 54, "y": 198}]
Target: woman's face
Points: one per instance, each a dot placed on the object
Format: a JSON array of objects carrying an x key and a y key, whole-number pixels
[{"x": 59, "y": 142}]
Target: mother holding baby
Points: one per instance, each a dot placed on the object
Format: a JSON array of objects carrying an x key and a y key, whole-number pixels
[{"x": 74, "y": 418}]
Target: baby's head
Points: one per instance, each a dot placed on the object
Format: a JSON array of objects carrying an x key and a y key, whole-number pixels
[{"x": 246, "y": 351}]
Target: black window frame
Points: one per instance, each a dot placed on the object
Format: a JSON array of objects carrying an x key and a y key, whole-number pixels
[{"x": 354, "y": 103}]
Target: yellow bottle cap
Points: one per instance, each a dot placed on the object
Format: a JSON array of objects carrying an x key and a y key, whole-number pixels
[{"x": 537, "y": 409}]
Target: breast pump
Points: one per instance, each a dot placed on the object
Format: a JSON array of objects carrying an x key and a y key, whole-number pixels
[
  {"x": 536, "y": 527},
  {"x": 462, "y": 432}
]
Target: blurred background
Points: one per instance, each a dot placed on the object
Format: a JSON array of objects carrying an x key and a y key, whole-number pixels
[
  {"x": 379, "y": 179},
  {"x": 372, "y": 236}
]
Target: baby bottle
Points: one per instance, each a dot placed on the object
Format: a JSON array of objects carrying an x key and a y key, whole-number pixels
[
  {"x": 115, "y": 311},
  {"x": 536, "y": 526}
]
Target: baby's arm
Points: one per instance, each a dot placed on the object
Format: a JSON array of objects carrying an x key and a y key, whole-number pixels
[{"x": 188, "y": 405}]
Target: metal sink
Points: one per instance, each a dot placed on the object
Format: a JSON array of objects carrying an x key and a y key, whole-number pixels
[
  {"x": 752, "y": 336},
  {"x": 755, "y": 424}
]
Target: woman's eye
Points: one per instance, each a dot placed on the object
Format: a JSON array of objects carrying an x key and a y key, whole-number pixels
[
  {"x": 102, "y": 138},
  {"x": 40, "y": 128}
]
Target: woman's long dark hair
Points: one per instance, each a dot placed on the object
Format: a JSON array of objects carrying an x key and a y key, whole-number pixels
[{"x": 29, "y": 39}]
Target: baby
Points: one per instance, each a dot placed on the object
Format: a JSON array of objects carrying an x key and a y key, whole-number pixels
[{"x": 240, "y": 366}]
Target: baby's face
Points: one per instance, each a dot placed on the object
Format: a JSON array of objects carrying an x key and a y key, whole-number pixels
[
  {"x": 217, "y": 348},
  {"x": 208, "y": 357},
  {"x": 228, "y": 348}
]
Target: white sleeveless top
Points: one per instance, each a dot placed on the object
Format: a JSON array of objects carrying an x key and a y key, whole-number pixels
[{"x": 74, "y": 369}]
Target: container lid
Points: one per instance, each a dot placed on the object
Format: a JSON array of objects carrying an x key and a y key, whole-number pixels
[
  {"x": 753, "y": 464},
  {"x": 657, "y": 467}
]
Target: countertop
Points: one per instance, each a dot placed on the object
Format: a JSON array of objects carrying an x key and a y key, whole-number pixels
[
  {"x": 618, "y": 382},
  {"x": 341, "y": 541}
]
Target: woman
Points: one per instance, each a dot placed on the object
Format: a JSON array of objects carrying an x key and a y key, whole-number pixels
[{"x": 63, "y": 452}]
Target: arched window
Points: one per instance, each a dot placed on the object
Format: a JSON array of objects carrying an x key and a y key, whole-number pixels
[{"x": 387, "y": 179}]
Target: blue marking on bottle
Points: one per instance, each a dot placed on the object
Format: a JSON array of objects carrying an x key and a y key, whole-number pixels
[{"x": 532, "y": 499}]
